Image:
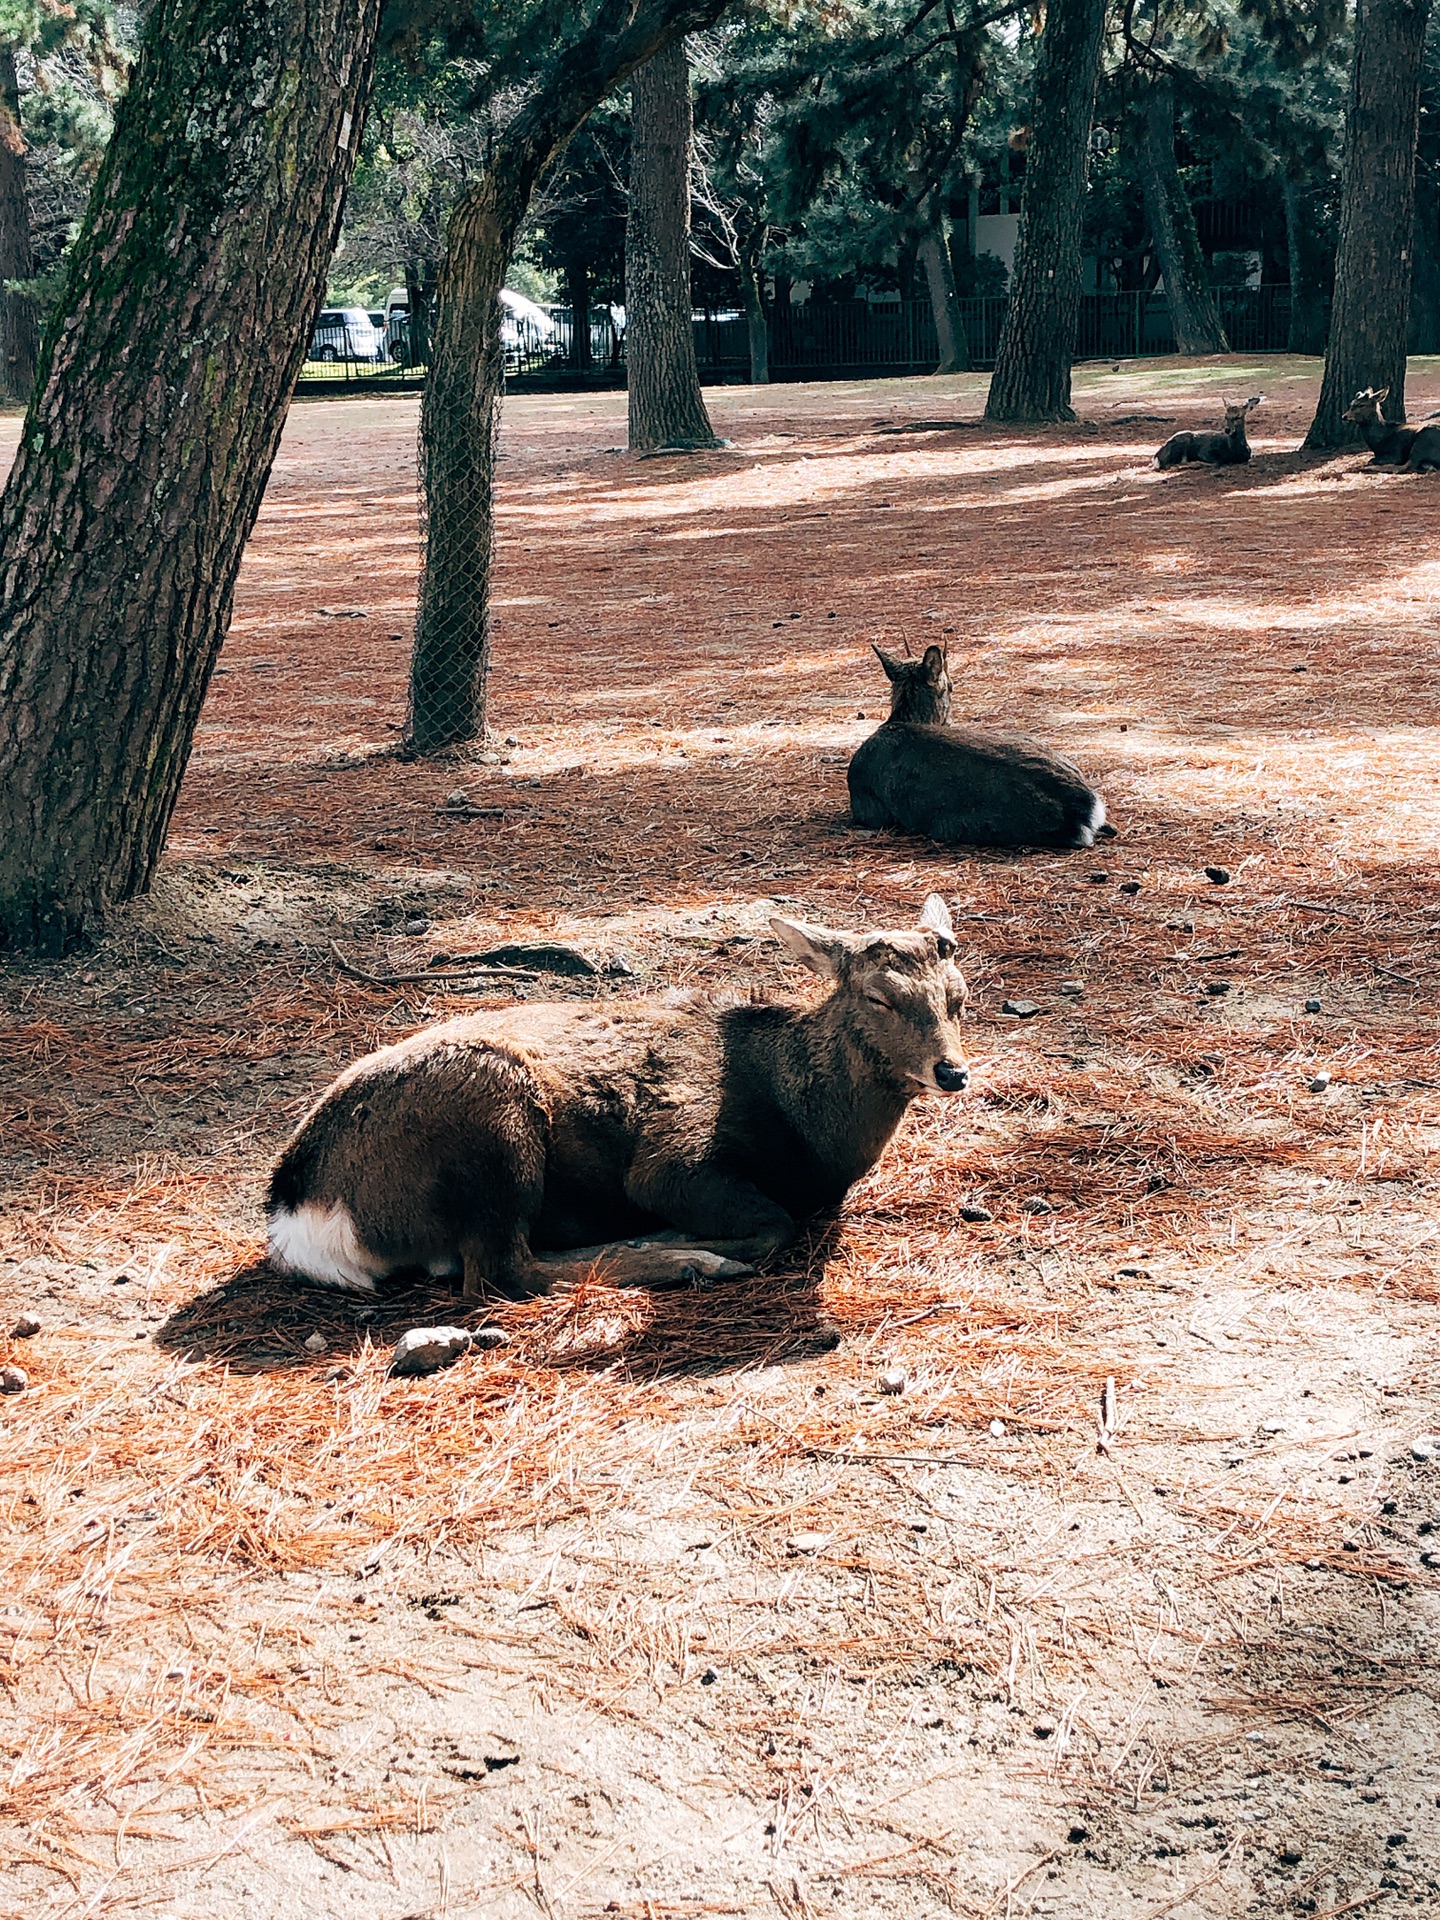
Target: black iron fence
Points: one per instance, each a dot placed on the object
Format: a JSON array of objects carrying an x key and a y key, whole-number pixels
[{"x": 830, "y": 340}]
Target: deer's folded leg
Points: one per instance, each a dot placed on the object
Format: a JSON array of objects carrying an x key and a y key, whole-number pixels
[
  {"x": 632, "y": 1263},
  {"x": 712, "y": 1208}
]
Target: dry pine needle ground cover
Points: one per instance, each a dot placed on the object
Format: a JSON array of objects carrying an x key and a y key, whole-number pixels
[{"x": 1123, "y": 1607}]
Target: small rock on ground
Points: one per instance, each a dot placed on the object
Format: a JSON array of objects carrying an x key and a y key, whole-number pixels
[
  {"x": 1022, "y": 1009},
  {"x": 26, "y": 1327},
  {"x": 13, "y": 1379},
  {"x": 426, "y": 1349},
  {"x": 486, "y": 1339},
  {"x": 894, "y": 1380}
]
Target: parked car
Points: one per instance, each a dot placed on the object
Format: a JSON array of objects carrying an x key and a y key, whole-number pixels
[
  {"x": 525, "y": 329},
  {"x": 345, "y": 333}
]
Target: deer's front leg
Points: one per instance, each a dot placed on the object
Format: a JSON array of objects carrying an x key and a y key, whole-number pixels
[{"x": 711, "y": 1208}]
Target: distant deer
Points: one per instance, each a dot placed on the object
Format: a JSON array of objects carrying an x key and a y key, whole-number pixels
[
  {"x": 1416, "y": 449},
  {"x": 652, "y": 1140},
  {"x": 920, "y": 773},
  {"x": 1228, "y": 448}
]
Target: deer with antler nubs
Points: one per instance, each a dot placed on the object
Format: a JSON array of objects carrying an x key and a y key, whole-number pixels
[
  {"x": 652, "y": 1141},
  {"x": 1416, "y": 449},
  {"x": 922, "y": 773},
  {"x": 1228, "y": 448}
]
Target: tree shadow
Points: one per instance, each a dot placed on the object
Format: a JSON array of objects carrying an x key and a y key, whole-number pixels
[{"x": 258, "y": 1322}]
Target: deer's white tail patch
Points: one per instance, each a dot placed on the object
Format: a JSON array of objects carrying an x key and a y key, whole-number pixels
[
  {"x": 321, "y": 1244},
  {"x": 1086, "y": 831}
]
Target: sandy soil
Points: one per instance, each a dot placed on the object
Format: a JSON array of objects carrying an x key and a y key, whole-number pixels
[{"x": 663, "y": 1609}]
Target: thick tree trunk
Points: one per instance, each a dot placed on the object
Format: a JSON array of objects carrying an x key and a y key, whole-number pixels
[
  {"x": 1370, "y": 319},
  {"x": 1032, "y": 368},
  {"x": 757, "y": 321},
  {"x": 666, "y": 406},
  {"x": 19, "y": 333},
  {"x": 1425, "y": 280},
  {"x": 949, "y": 326},
  {"x": 1305, "y": 252},
  {"x": 1194, "y": 316},
  {"x": 459, "y": 415},
  {"x": 161, "y": 391}
]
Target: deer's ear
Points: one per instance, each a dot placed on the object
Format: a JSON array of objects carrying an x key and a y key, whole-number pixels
[
  {"x": 1253, "y": 401},
  {"x": 893, "y": 667},
  {"x": 1377, "y": 394},
  {"x": 933, "y": 663},
  {"x": 816, "y": 947},
  {"x": 935, "y": 918}
]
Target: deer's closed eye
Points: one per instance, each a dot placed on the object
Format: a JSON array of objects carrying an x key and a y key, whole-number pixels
[{"x": 878, "y": 1000}]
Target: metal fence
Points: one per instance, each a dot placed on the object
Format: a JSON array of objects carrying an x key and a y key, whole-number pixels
[{"x": 821, "y": 340}]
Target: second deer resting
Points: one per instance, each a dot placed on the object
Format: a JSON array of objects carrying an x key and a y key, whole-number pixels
[
  {"x": 649, "y": 1140},
  {"x": 922, "y": 774},
  {"x": 1416, "y": 449},
  {"x": 1228, "y": 448}
]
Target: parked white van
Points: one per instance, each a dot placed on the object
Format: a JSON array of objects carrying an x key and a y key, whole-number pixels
[{"x": 345, "y": 333}]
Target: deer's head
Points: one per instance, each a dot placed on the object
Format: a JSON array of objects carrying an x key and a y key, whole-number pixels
[
  {"x": 1366, "y": 405},
  {"x": 899, "y": 997},
  {"x": 919, "y": 689},
  {"x": 1236, "y": 411}
]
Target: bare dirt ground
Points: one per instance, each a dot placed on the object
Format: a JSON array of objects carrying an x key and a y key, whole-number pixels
[{"x": 663, "y": 1610}]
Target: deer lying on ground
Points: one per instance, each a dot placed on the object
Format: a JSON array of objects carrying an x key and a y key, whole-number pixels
[
  {"x": 1416, "y": 449},
  {"x": 923, "y": 775},
  {"x": 648, "y": 1141},
  {"x": 1228, "y": 448}
]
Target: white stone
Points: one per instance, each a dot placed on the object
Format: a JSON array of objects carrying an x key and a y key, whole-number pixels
[{"x": 425, "y": 1349}]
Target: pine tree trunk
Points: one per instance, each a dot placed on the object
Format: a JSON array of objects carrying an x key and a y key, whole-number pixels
[
  {"x": 1425, "y": 279},
  {"x": 666, "y": 406},
  {"x": 949, "y": 327},
  {"x": 161, "y": 392},
  {"x": 419, "y": 287},
  {"x": 459, "y": 421},
  {"x": 459, "y": 415},
  {"x": 1032, "y": 368},
  {"x": 757, "y": 323},
  {"x": 1305, "y": 250},
  {"x": 19, "y": 333},
  {"x": 1193, "y": 314},
  {"x": 577, "y": 291},
  {"x": 1370, "y": 319}
]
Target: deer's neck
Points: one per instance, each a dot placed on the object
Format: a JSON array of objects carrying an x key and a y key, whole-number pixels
[
  {"x": 1238, "y": 442},
  {"x": 920, "y": 707},
  {"x": 838, "y": 1093}
]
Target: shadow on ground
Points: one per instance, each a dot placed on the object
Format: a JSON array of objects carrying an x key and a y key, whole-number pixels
[{"x": 257, "y": 1323}]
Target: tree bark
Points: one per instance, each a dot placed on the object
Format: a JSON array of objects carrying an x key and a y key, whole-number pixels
[
  {"x": 459, "y": 415},
  {"x": 577, "y": 291},
  {"x": 949, "y": 326},
  {"x": 757, "y": 321},
  {"x": 1425, "y": 279},
  {"x": 1370, "y": 319},
  {"x": 666, "y": 405},
  {"x": 161, "y": 391},
  {"x": 1305, "y": 252},
  {"x": 1032, "y": 367},
  {"x": 419, "y": 290},
  {"x": 1194, "y": 316},
  {"x": 19, "y": 331}
]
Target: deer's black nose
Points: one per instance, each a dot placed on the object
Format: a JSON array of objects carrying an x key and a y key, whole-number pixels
[{"x": 950, "y": 1078}]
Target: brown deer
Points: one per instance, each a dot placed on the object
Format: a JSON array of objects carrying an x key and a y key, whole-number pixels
[
  {"x": 1229, "y": 448},
  {"x": 958, "y": 785},
  {"x": 651, "y": 1141},
  {"x": 1416, "y": 449}
]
